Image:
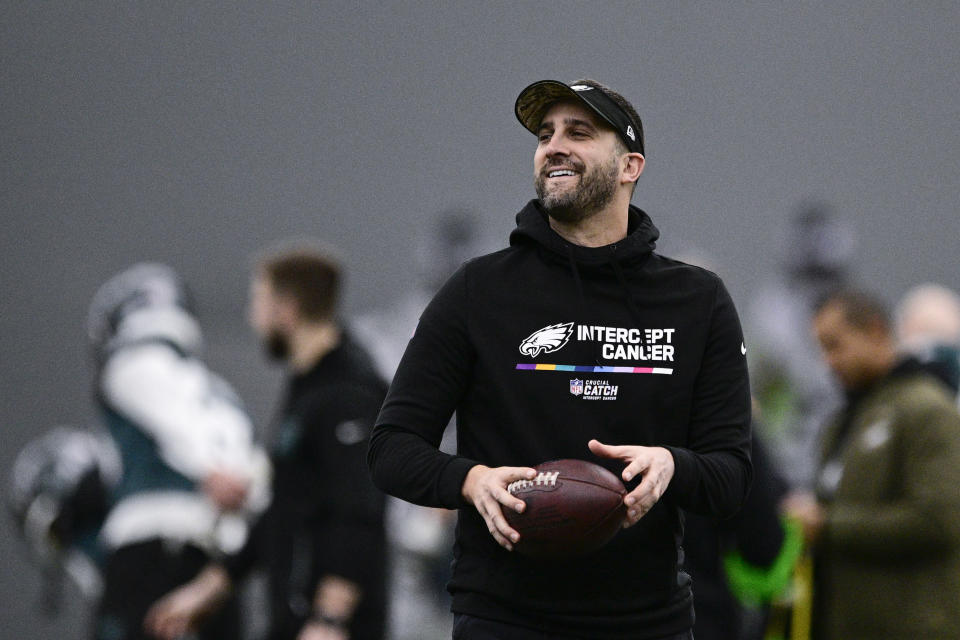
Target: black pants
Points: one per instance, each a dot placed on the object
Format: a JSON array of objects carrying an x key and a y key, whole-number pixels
[
  {"x": 137, "y": 575},
  {"x": 467, "y": 627}
]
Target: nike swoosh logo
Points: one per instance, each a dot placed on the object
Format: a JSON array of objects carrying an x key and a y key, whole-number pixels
[{"x": 743, "y": 349}]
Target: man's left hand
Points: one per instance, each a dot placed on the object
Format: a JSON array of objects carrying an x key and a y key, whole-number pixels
[
  {"x": 227, "y": 490},
  {"x": 654, "y": 464}
]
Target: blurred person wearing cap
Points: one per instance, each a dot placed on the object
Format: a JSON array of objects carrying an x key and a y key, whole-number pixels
[
  {"x": 322, "y": 539},
  {"x": 191, "y": 477},
  {"x": 790, "y": 380},
  {"x": 444, "y": 245},
  {"x": 420, "y": 537},
  {"x": 884, "y": 520},
  {"x": 508, "y": 343}
]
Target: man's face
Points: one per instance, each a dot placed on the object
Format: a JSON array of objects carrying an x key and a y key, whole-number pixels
[
  {"x": 263, "y": 313},
  {"x": 576, "y": 167},
  {"x": 848, "y": 350}
]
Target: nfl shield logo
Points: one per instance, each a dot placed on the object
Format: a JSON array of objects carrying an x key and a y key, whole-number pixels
[{"x": 576, "y": 387}]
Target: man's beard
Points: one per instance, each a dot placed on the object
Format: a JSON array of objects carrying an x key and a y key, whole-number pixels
[
  {"x": 276, "y": 345},
  {"x": 596, "y": 189}
]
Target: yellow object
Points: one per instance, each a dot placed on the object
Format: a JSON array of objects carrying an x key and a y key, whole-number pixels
[
  {"x": 791, "y": 613},
  {"x": 802, "y": 600}
]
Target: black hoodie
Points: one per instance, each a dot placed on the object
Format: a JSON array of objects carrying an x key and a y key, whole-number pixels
[{"x": 539, "y": 348}]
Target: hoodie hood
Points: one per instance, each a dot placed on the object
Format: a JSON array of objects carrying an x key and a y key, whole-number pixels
[{"x": 534, "y": 227}]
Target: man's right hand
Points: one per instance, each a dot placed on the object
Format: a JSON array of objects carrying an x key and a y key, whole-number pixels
[
  {"x": 486, "y": 490},
  {"x": 178, "y": 612},
  {"x": 803, "y": 507}
]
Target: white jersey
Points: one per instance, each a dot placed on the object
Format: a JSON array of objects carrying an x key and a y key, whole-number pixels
[{"x": 175, "y": 422}]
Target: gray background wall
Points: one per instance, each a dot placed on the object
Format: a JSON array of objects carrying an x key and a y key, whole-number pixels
[{"x": 195, "y": 133}]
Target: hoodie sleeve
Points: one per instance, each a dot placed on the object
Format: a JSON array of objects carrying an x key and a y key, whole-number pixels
[
  {"x": 432, "y": 377},
  {"x": 713, "y": 472}
]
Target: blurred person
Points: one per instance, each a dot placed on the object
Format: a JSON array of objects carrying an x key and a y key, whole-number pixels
[
  {"x": 742, "y": 567},
  {"x": 739, "y": 565},
  {"x": 789, "y": 379},
  {"x": 191, "y": 476},
  {"x": 884, "y": 523},
  {"x": 420, "y": 537},
  {"x": 450, "y": 241},
  {"x": 927, "y": 322},
  {"x": 322, "y": 539},
  {"x": 582, "y": 289}
]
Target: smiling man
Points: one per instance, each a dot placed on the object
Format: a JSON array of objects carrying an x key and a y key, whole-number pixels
[{"x": 577, "y": 341}]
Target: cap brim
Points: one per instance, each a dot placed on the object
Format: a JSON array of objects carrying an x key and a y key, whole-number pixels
[{"x": 533, "y": 102}]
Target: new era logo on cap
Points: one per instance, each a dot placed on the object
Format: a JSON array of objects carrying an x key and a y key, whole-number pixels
[
  {"x": 581, "y": 87},
  {"x": 630, "y": 133}
]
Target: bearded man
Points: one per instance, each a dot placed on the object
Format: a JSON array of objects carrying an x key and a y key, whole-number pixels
[
  {"x": 577, "y": 341},
  {"x": 322, "y": 539}
]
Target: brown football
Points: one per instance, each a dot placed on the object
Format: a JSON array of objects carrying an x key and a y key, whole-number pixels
[{"x": 573, "y": 507}]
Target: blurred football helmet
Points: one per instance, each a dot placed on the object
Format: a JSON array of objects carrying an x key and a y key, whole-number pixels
[
  {"x": 59, "y": 494},
  {"x": 147, "y": 301}
]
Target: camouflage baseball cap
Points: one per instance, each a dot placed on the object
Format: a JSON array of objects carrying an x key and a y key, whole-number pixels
[{"x": 533, "y": 102}]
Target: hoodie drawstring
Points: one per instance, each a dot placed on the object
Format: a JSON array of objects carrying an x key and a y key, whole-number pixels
[{"x": 621, "y": 278}]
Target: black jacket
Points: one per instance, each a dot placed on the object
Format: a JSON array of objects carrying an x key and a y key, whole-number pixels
[
  {"x": 756, "y": 534},
  {"x": 326, "y": 516},
  {"x": 539, "y": 348}
]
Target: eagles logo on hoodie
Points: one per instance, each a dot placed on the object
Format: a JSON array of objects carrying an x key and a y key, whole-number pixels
[{"x": 547, "y": 340}]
